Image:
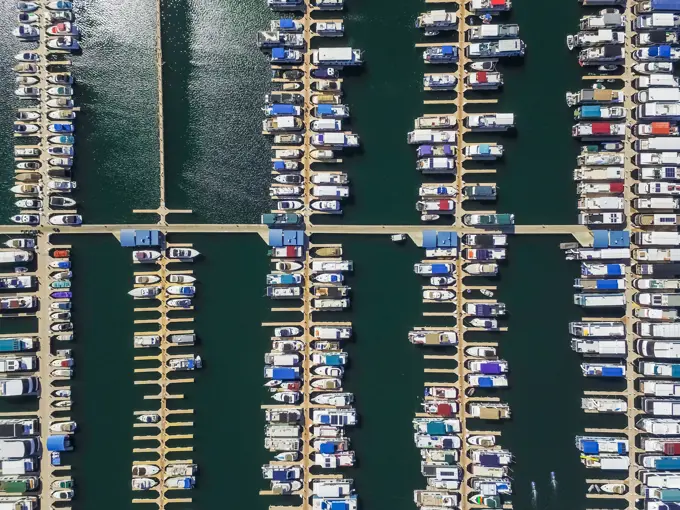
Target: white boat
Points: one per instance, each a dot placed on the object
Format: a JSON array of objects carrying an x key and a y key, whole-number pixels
[
  {"x": 26, "y": 219},
  {"x": 327, "y": 383},
  {"x": 24, "y": 31},
  {"x": 481, "y": 269},
  {"x": 442, "y": 281},
  {"x": 329, "y": 206},
  {"x": 181, "y": 290},
  {"x": 484, "y": 441},
  {"x": 287, "y": 397},
  {"x": 329, "y": 371},
  {"x": 21, "y": 242},
  {"x": 29, "y": 203},
  {"x": 439, "y": 295},
  {"x": 149, "y": 418},
  {"x": 179, "y": 303},
  {"x": 145, "y": 255},
  {"x": 147, "y": 279},
  {"x": 143, "y": 341},
  {"x": 334, "y": 399},
  {"x": 63, "y": 43},
  {"x": 66, "y": 219},
  {"x": 481, "y": 352},
  {"x": 63, "y": 426},
  {"x": 181, "y": 278},
  {"x": 180, "y": 482},
  {"x": 441, "y": 392},
  {"x": 145, "y": 292},
  {"x": 182, "y": 253},
  {"x": 143, "y": 484},
  {"x": 191, "y": 362},
  {"x": 287, "y": 331}
]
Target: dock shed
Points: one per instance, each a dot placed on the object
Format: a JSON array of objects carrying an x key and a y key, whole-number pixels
[
  {"x": 611, "y": 239},
  {"x": 278, "y": 237},
  {"x": 433, "y": 239},
  {"x": 135, "y": 238},
  {"x": 60, "y": 443}
]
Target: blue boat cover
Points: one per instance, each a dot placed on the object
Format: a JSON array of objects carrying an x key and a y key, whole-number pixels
[
  {"x": 612, "y": 371},
  {"x": 606, "y": 284},
  {"x": 440, "y": 269},
  {"x": 484, "y": 310},
  {"x": 283, "y": 109},
  {"x": 58, "y": 443},
  {"x": 324, "y": 109},
  {"x": 613, "y": 269},
  {"x": 286, "y": 23},
  {"x": 276, "y": 237},
  {"x": 491, "y": 368},
  {"x": 279, "y": 165},
  {"x": 665, "y": 5},
  {"x": 590, "y": 111},
  {"x": 131, "y": 238},
  {"x": 339, "y": 505},
  {"x": 622, "y": 448},
  {"x": 600, "y": 239},
  {"x": 424, "y": 150},
  {"x": 447, "y": 50},
  {"x": 430, "y": 240},
  {"x": 668, "y": 463},
  {"x": 489, "y": 460},
  {"x": 675, "y": 370},
  {"x": 327, "y": 447},
  {"x": 287, "y": 279},
  {"x": 668, "y": 495},
  {"x": 279, "y": 475},
  {"x": 334, "y": 359},
  {"x": 285, "y": 373},
  {"x": 278, "y": 53},
  {"x": 485, "y": 382},
  {"x": 619, "y": 238},
  {"x": 485, "y": 149},
  {"x": 447, "y": 443},
  {"x": 660, "y": 51},
  {"x": 293, "y": 238},
  {"x": 590, "y": 447}
]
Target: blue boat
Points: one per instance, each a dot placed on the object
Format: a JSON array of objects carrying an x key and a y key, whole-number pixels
[
  {"x": 285, "y": 56},
  {"x": 608, "y": 370},
  {"x": 440, "y": 55},
  {"x": 61, "y": 295}
]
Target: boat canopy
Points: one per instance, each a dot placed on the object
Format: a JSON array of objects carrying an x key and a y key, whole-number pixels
[
  {"x": 611, "y": 238},
  {"x": 444, "y": 410},
  {"x": 284, "y": 109},
  {"x": 600, "y": 128},
  {"x": 613, "y": 372},
  {"x": 286, "y": 373},
  {"x": 327, "y": 448},
  {"x": 428, "y": 150},
  {"x": 440, "y": 269},
  {"x": 593, "y": 447},
  {"x": 591, "y": 111},
  {"x": 490, "y": 368},
  {"x": 433, "y": 239},
  {"x": 59, "y": 443},
  {"x": 660, "y": 51},
  {"x": 448, "y": 50},
  {"x": 482, "y": 77},
  {"x": 436, "y": 428},
  {"x": 325, "y": 109},
  {"x": 334, "y": 360},
  {"x": 279, "y": 165},
  {"x": 489, "y": 460},
  {"x": 286, "y": 23},
  {"x": 484, "y": 149},
  {"x": 661, "y": 128}
]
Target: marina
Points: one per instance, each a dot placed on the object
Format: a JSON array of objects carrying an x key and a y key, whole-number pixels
[{"x": 480, "y": 242}]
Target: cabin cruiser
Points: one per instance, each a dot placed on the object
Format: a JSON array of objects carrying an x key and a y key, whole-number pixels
[
  {"x": 439, "y": 295},
  {"x": 481, "y": 269},
  {"x": 653, "y": 68},
  {"x": 66, "y": 219},
  {"x": 440, "y": 81},
  {"x": 433, "y": 338},
  {"x": 485, "y": 32},
  {"x": 285, "y": 56},
  {"x": 484, "y": 309},
  {"x": 328, "y": 111},
  {"x": 606, "y": 18},
  {"x": 601, "y": 55},
  {"x": 483, "y": 151},
  {"x": 26, "y": 32},
  {"x": 63, "y": 43}
]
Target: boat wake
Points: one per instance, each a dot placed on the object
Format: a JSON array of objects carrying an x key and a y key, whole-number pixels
[
  {"x": 553, "y": 481},
  {"x": 534, "y": 495}
]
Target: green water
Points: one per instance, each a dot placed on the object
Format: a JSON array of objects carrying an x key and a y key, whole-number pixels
[{"x": 217, "y": 164}]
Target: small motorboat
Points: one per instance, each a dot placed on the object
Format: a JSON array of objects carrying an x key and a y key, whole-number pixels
[
  {"x": 63, "y": 426},
  {"x": 64, "y": 338},
  {"x": 180, "y": 482},
  {"x": 28, "y": 18},
  {"x": 287, "y": 456},
  {"x": 288, "y": 331},
  {"x": 27, "y": 116},
  {"x": 285, "y": 488},
  {"x": 179, "y": 303},
  {"x": 327, "y": 383},
  {"x": 60, "y": 127},
  {"x": 328, "y": 278},
  {"x": 61, "y": 393},
  {"x": 27, "y": 177},
  {"x": 326, "y": 72},
  {"x": 287, "y": 397},
  {"x": 483, "y": 65},
  {"x": 60, "y": 5},
  {"x": 29, "y": 203},
  {"x": 61, "y": 253},
  {"x": 63, "y": 43},
  {"x": 322, "y": 154},
  {"x": 25, "y": 129},
  {"x": 439, "y": 295},
  {"x": 62, "y": 294},
  {"x": 60, "y": 264},
  {"x": 61, "y": 275},
  {"x": 429, "y": 217},
  {"x": 60, "y": 316},
  {"x": 145, "y": 256},
  {"x": 27, "y": 92},
  {"x": 27, "y": 6},
  {"x": 145, "y": 292},
  {"x": 61, "y": 115},
  {"x": 20, "y": 242},
  {"x": 332, "y": 206},
  {"x": 486, "y": 292},
  {"x": 149, "y": 418},
  {"x": 26, "y": 219},
  {"x": 60, "y": 79},
  {"x": 145, "y": 469},
  {"x": 181, "y": 278},
  {"x": 26, "y": 32},
  {"x": 57, "y": 201},
  {"x": 66, "y": 219},
  {"x": 614, "y": 488},
  {"x": 24, "y": 81},
  {"x": 25, "y": 68},
  {"x": 62, "y": 362},
  {"x": 288, "y": 179},
  {"x": 181, "y": 290},
  {"x": 62, "y": 150},
  {"x": 29, "y": 56},
  {"x": 143, "y": 484},
  {"x": 26, "y": 189},
  {"x": 289, "y": 205},
  {"x": 487, "y": 324},
  {"x": 182, "y": 253},
  {"x": 481, "y": 352},
  {"x": 441, "y": 281},
  {"x": 62, "y": 403},
  {"x": 334, "y": 399},
  {"x": 61, "y": 16},
  {"x": 63, "y": 495},
  {"x": 60, "y": 102},
  {"x": 287, "y": 267},
  {"x": 60, "y": 306},
  {"x": 288, "y": 346},
  {"x": 329, "y": 371},
  {"x": 62, "y": 140},
  {"x": 147, "y": 279},
  {"x": 28, "y": 165},
  {"x": 484, "y": 441},
  {"x": 65, "y": 28}
]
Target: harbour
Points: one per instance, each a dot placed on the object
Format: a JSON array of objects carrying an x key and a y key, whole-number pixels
[{"x": 375, "y": 232}]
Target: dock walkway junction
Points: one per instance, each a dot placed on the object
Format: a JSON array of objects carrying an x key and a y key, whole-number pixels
[{"x": 625, "y": 239}]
